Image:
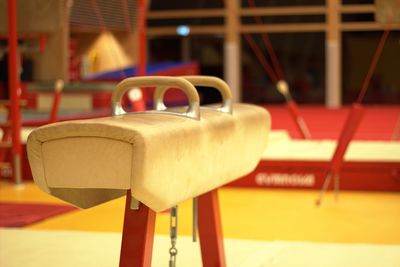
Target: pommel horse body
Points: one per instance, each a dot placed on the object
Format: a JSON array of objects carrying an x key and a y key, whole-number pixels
[{"x": 158, "y": 158}]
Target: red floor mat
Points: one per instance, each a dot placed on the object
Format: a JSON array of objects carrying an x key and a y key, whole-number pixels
[
  {"x": 378, "y": 122},
  {"x": 18, "y": 214}
]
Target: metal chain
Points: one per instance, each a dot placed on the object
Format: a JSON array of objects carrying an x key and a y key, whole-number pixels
[{"x": 173, "y": 251}]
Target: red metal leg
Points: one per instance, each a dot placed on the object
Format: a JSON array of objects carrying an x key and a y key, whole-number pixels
[
  {"x": 137, "y": 236},
  {"x": 298, "y": 119},
  {"x": 54, "y": 108},
  {"x": 14, "y": 89},
  {"x": 349, "y": 129},
  {"x": 210, "y": 230}
]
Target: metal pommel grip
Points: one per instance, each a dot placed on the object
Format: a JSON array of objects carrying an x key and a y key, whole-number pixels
[
  {"x": 218, "y": 84},
  {"x": 193, "y": 110},
  {"x": 208, "y": 81}
]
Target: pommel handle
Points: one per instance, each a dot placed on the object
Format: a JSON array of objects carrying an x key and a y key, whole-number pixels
[
  {"x": 160, "y": 82},
  {"x": 208, "y": 81}
]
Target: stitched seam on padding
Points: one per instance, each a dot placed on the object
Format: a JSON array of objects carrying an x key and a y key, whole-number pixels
[
  {"x": 85, "y": 136},
  {"x": 43, "y": 164}
]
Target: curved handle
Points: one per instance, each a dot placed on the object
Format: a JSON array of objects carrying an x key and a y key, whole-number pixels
[
  {"x": 160, "y": 82},
  {"x": 208, "y": 81}
]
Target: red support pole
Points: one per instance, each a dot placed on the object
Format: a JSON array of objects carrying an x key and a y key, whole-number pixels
[
  {"x": 142, "y": 27},
  {"x": 142, "y": 49},
  {"x": 137, "y": 235},
  {"x": 350, "y": 127},
  {"x": 261, "y": 58},
  {"x": 396, "y": 130},
  {"x": 58, "y": 87},
  {"x": 267, "y": 43},
  {"x": 210, "y": 230},
  {"x": 54, "y": 107},
  {"x": 298, "y": 119},
  {"x": 14, "y": 89}
]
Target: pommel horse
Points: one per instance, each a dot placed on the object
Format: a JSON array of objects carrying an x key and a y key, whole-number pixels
[{"x": 158, "y": 158}]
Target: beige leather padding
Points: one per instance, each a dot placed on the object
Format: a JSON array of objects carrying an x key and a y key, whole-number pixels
[{"x": 164, "y": 159}]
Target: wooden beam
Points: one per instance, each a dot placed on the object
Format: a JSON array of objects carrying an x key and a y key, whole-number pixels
[
  {"x": 259, "y": 11},
  {"x": 356, "y": 9},
  {"x": 283, "y": 27},
  {"x": 186, "y": 13},
  {"x": 232, "y": 59},
  {"x": 367, "y": 26},
  {"x": 333, "y": 52},
  {"x": 194, "y": 30},
  {"x": 94, "y": 29},
  {"x": 283, "y": 11},
  {"x": 273, "y": 28}
]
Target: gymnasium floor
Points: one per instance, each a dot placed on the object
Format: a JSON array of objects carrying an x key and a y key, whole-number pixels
[{"x": 262, "y": 228}]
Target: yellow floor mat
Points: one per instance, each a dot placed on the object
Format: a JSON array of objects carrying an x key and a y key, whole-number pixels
[{"x": 259, "y": 214}]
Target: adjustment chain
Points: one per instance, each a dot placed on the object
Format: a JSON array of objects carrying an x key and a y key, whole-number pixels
[{"x": 173, "y": 251}]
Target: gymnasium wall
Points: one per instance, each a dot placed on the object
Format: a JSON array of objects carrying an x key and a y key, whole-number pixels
[{"x": 358, "y": 51}]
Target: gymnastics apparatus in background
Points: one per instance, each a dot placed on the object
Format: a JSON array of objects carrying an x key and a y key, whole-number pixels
[
  {"x": 275, "y": 73},
  {"x": 387, "y": 154},
  {"x": 158, "y": 158}
]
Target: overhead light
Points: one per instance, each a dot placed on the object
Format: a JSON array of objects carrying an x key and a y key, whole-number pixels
[{"x": 183, "y": 30}]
